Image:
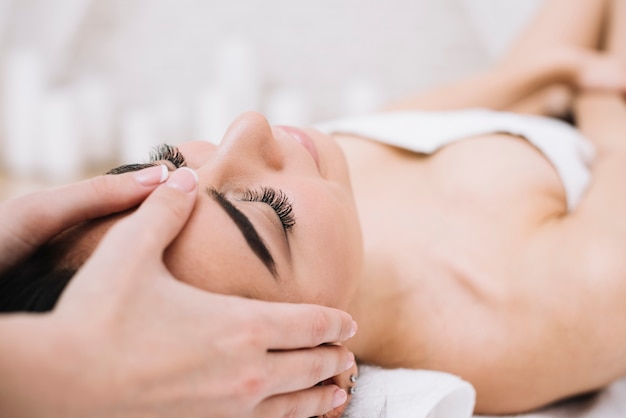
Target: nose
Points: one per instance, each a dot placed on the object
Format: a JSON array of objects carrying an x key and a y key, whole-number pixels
[{"x": 249, "y": 144}]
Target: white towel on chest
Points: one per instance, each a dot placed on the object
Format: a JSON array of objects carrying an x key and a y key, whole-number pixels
[{"x": 426, "y": 132}]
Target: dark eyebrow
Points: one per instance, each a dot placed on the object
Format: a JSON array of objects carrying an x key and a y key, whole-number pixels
[
  {"x": 126, "y": 168},
  {"x": 253, "y": 239}
]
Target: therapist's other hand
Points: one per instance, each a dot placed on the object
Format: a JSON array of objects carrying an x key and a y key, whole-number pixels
[
  {"x": 31, "y": 220},
  {"x": 136, "y": 342}
]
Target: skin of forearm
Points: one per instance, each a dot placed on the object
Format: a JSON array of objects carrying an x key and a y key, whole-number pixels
[
  {"x": 498, "y": 88},
  {"x": 592, "y": 110},
  {"x": 36, "y": 368}
]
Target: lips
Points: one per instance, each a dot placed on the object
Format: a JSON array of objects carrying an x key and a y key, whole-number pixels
[{"x": 304, "y": 139}]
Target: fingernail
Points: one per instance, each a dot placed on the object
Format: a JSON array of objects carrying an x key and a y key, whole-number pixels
[
  {"x": 152, "y": 176},
  {"x": 353, "y": 330},
  {"x": 183, "y": 179},
  {"x": 339, "y": 398},
  {"x": 350, "y": 361}
]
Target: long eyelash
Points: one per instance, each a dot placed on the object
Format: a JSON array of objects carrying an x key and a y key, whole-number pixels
[
  {"x": 168, "y": 153},
  {"x": 277, "y": 200}
]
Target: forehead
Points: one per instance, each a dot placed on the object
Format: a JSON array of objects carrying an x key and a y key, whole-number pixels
[{"x": 196, "y": 153}]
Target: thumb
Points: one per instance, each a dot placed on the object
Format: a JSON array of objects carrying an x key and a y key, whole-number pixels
[
  {"x": 134, "y": 245},
  {"x": 159, "y": 219},
  {"x": 146, "y": 233},
  {"x": 30, "y": 221}
]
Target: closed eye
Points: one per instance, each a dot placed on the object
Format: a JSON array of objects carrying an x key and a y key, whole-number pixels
[{"x": 277, "y": 200}]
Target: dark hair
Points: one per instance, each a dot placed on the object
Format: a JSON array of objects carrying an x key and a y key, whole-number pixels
[{"x": 36, "y": 284}]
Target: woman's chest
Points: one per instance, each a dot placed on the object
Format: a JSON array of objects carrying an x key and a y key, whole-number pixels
[
  {"x": 480, "y": 191},
  {"x": 451, "y": 227}
]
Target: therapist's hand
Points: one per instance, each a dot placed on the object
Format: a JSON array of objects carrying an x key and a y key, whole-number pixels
[
  {"x": 127, "y": 339},
  {"x": 32, "y": 220}
]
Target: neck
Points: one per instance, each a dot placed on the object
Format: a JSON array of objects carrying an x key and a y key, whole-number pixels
[
  {"x": 374, "y": 308},
  {"x": 382, "y": 295}
]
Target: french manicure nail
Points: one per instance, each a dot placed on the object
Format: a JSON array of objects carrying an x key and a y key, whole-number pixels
[
  {"x": 350, "y": 361},
  {"x": 353, "y": 330},
  {"x": 339, "y": 398},
  {"x": 152, "y": 176},
  {"x": 183, "y": 179}
]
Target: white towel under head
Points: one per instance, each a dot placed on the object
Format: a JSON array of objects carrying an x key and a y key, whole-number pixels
[{"x": 404, "y": 393}]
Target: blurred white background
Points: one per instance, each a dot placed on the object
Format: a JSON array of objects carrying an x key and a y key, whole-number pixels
[{"x": 88, "y": 84}]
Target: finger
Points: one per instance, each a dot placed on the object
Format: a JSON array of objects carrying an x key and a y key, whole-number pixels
[
  {"x": 298, "y": 369},
  {"x": 39, "y": 216},
  {"x": 150, "y": 229},
  {"x": 292, "y": 326},
  {"x": 308, "y": 403}
]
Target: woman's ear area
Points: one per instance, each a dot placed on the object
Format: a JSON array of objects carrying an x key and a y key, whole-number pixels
[{"x": 346, "y": 381}]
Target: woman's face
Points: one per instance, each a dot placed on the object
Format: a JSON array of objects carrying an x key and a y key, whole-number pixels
[{"x": 275, "y": 218}]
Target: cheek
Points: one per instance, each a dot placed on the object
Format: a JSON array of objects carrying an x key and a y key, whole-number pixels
[{"x": 331, "y": 252}]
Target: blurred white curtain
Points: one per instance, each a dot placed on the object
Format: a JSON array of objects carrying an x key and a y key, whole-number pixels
[
  {"x": 124, "y": 71},
  {"x": 45, "y": 26}
]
